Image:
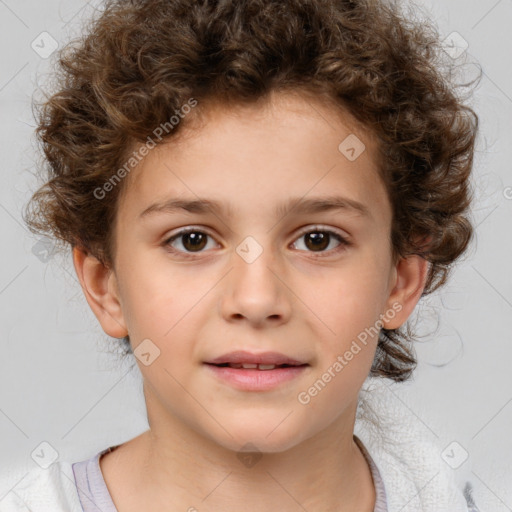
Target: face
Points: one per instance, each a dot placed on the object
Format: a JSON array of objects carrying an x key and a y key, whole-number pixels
[{"x": 294, "y": 258}]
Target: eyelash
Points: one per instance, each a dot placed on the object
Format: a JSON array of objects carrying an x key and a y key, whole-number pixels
[{"x": 315, "y": 229}]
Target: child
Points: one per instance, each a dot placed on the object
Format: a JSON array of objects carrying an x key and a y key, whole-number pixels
[{"x": 317, "y": 163}]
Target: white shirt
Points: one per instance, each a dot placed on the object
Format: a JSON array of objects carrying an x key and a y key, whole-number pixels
[{"x": 408, "y": 471}]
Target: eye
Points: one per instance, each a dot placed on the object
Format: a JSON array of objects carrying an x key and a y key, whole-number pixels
[
  {"x": 318, "y": 240},
  {"x": 191, "y": 240}
]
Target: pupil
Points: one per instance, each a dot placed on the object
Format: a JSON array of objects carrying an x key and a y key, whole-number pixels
[
  {"x": 320, "y": 240},
  {"x": 194, "y": 241}
]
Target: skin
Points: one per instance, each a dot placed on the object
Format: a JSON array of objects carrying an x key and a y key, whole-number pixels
[{"x": 305, "y": 302}]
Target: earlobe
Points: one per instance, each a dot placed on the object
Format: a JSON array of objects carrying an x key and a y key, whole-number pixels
[
  {"x": 410, "y": 278},
  {"x": 101, "y": 292}
]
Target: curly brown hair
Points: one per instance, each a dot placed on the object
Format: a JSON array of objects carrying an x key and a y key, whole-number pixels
[{"x": 140, "y": 61}]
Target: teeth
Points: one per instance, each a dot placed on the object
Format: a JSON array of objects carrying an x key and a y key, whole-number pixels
[{"x": 253, "y": 366}]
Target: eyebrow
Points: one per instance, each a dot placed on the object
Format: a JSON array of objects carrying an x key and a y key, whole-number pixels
[{"x": 300, "y": 205}]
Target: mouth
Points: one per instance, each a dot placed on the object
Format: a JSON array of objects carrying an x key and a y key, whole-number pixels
[
  {"x": 255, "y": 366},
  {"x": 256, "y": 372},
  {"x": 254, "y": 361}
]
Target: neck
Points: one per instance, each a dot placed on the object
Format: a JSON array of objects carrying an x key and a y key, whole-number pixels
[
  {"x": 174, "y": 464},
  {"x": 327, "y": 472}
]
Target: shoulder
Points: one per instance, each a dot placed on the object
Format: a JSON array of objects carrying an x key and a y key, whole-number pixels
[
  {"x": 43, "y": 490},
  {"x": 415, "y": 475}
]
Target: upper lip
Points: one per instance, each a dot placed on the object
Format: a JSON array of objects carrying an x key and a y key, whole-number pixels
[{"x": 242, "y": 356}]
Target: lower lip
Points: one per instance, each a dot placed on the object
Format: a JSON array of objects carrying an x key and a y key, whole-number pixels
[{"x": 254, "y": 379}]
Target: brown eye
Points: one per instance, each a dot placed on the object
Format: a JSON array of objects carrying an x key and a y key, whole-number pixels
[
  {"x": 194, "y": 241},
  {"x": 191, "y": 241},
  {"x": 318, "y": 241}
]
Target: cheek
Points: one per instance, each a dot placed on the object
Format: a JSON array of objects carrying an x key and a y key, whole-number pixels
[
  {"x": 347, "y": 336},
  {"x": 157, "y": 299},
  {"x": 348, "y": 300},
  {"x": 346, "y": 314}
]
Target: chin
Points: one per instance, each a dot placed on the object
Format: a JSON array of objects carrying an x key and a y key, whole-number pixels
[{"x": 260, "y": 437}]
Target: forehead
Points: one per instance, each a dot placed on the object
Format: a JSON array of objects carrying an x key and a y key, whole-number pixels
[{"x": 282, "y": 146}]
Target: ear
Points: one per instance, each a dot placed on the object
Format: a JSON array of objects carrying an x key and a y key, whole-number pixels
[
  {"x": 408, "y": 282},
  {"x": 100, "y": 288}
]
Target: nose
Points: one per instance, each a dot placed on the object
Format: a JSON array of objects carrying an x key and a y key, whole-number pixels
[{"x": 256, "y": 291}]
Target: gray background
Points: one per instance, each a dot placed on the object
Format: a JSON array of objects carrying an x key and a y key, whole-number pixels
[{"x": 60, "y": 384}]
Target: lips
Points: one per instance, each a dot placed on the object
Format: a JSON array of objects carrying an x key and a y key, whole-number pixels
[
  {"x": 262, "y": 361},
  {"x": 249, "y": 372},
  {"x": 254, "y": 366}
]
